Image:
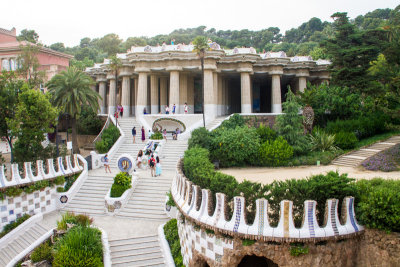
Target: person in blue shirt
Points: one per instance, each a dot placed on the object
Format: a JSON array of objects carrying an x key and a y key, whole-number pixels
[
  {"x": 107, "y": 163},
  {"x": 173, "y": 109}
]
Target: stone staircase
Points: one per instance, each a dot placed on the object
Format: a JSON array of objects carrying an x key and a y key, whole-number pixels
[
  {"x": 23, "y": 241},
  {"x": 90, "y": 197},
  {"x": 138, "y": 251},
  {"x": 215, "y": 123},
  {"x": 356, "y": 157},
  {"x": 172, "y": 151}
]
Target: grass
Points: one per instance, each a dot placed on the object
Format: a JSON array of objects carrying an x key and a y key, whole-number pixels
[{"x": 375, "y": 138}]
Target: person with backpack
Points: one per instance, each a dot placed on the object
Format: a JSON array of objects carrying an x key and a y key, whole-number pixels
[
  {"x": 152, "y": 165},
  {"x": 158, "y": 166}
]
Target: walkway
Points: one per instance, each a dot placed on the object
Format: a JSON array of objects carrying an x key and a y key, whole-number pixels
[{"x": 355, "y": 158}]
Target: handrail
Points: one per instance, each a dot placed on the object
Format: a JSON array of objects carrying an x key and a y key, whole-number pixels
[{"x": 104, "y": 127}]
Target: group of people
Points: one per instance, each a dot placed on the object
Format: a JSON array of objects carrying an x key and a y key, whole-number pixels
[
  {"x": 119, "y": 112},
  {"x": 185, "y": 109},
  {"x": 153, "y": 163},
  {"x": 143, "y": 134}
]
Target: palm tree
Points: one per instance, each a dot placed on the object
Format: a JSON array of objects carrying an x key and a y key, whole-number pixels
[
  {"x": 69, "y": 91},
  {"x": 200, "y": 47}
]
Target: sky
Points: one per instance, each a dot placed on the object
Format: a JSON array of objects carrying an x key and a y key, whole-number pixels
[{"x": 69, "y": 21}]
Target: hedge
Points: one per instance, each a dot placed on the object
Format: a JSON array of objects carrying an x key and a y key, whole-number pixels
[{"x": 172, "y": 236}]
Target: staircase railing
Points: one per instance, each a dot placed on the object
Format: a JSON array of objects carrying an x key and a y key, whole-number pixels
[{"x": 104, "y": 127}]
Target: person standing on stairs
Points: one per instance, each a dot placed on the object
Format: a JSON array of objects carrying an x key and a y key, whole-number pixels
[
  {"x": 173, "y": 109},
  {"x": 152, "y": 165},
  {"x": 158, "y": 166},
  {"x": 143, "y": 135},
  {"x": 165, "y": 134},
  {"x": 107, "y": 163},
  {"x": 134, "y": 134}
]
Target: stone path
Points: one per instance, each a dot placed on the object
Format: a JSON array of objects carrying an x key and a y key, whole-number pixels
[{"x": 355, "y": 158}]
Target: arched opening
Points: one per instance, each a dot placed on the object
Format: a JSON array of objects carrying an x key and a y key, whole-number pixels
[{"x": 255, "y": 261}]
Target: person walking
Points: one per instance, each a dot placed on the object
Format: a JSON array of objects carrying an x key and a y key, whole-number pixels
[
  {"x": 143, "y": 135},
  {"x": 106, "y": 163},
  {"x": 173, "y": 109},
  {"x": 166, "y": 110},
  {"x": 185, "y": 108},
  {"x": 152, "y": 165},
  {"x": 158, "y": 166},
  {"x": 121, "y": 110},
  {"x": 139, "y": 159},
  {"x": 134, "y": 134}
]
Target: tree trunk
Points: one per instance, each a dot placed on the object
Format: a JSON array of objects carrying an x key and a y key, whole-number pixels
[{"x": 74, "y": 136}]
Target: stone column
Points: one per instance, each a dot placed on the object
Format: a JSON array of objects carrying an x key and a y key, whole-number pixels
[
  {"x": 102, "y": 92},
  {"x": 126, "y": 95},
  {"x": 245, "y": 92},
  {"x": 163, "y": 93},
  {"x": 154, "y": 94},
  {"x": 111, "y": 95},
  {"x": 183, "y": 91},
  {"x": 302, "y": 83},
  {"x": 276, "y": 94},
  {"x": 141, "y": 94},
  {"x": 209, "y": 101},
  {"x": 220, "y": 96},
  {"x": 226, "y": 93},
  {"x": 215, "y": 92},
  {"x": 190, "y": 94},
  {"x": 174, "y": 90}
]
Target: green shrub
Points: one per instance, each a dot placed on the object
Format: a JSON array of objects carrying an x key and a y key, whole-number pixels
[
  {"x": 59, "y": 180},
  {"x": 70, "y": 181},
  {"x": 170, "y": 201},
  {"x": 42, "y": 252},
  {"x": 298, "y": 249},
  {"x": 60, "y": 189},
  {"x": 156, "y": 136},
  {"x": 275, "y": 153},
  {"x": 123, "y": 179},
  {"x": 108, "y": 139},
  {"x": 200, "y": 137},
  {"x": 197, "y": 166},
  {"x": 379, "y": 204},
  {"x": 80, "y": 246},
  {"x": 118, "y": 190},
  {"x": 265, "y": 133},
  {"x": 248, "y": 242},
  {"x": 346, "y": 140},
  {"x": 172, "y": 236},
  {"x": 322, "y": 141},
  {"x": 237, "y": 147},
  {"x": 89, "y": 122},
  {"x": 13, "y": 191},
  {"x": 11, "y": 226},
  {"x": 71, "y": 218},
  {"x": 234, "y": 121},
  {"x": 101, "y": 146}
]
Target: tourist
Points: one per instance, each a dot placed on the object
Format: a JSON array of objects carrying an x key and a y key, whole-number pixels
[
  {"x": 172, "y": 41},
  {"x": 165, "y": 134},
  {"x": 166, "y": 109},
  {"x": 134, "y": 134},
  {"x": 152, "y": 165},
  {"x": 144, "y": 110},
  {"x": 173, "y": 109},
  {"x": 150, "y": 134},
  {"x": 158, "y": 166},
  {"x": 106, "y": 163},
  {"x": 121, "y": 111},
  {"x": 143, "y": 135},
  {"x": 185, "y": 108},
  {"x": 139, "y": 159}
]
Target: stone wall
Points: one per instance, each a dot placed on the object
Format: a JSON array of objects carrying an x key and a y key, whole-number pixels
[{"x": 255, "y": 120}]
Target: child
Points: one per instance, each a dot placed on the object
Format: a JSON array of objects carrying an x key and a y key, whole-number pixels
[
  {"x": 107, "y": 163},
  {"x": 152, "y": 165},
  {"x": 158, "y": 166}
]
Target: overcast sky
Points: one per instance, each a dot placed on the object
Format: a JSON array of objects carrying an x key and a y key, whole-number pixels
[{"x": 68, "y": 21}]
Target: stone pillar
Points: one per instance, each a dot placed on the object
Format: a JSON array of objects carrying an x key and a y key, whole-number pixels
[
  {"x": 302, "y": 83},
  {"x": 134, "y": 95},
  {"x": 220, "y": 97},
  {"x": 111, "y": 96},
  {"x": 226, "y": 90},
  {"x": 154, "y": 94},
  {"x": 163, "y": 93},
  {"x": 126, "y": 95},
  {"x": 174, "y": 90},
  {"x": 190, "y": 94},
  {"x": 245, "y": 92},
  {"x": 183, "y": 94},
  {"x": 215, "y": 92},
  {"x": 141, "y": 94},
  {"x": 103, "y": 93},
  {"x": 276, "y": 94},
  {"x": 209, "y": 101}
]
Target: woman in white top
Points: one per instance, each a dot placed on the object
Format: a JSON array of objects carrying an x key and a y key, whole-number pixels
[{"x": 139, "y": 159}]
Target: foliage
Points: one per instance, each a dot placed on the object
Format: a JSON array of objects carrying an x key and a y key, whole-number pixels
[
  {"x": 298, "y": 249},
  {"x": 11, "y": 226},
  {"x": 311, "y": 158},
  {"x": 108, "y": 139},
  {"x": 42, "y": 252},
  {"x": 266, "y": 133},
  {"x": 379, "y": 204},
  {"x": 387, "y": 160},
  {"x": 28, "y": 35},
  {"x": 289, "y": 125},
  {"x": 71, "y": 218},
  {"x": 170, "y": 201},
  {"x": 60, "y": 189},
  {"x": 322, "y": 141},
  {"x": 275, "y": 153},
  {"x": 172, "y": 236},
  {"x": 156, "y": 136},
  {"x": 89, "y": 122},
  {"x": 200, "y": 137},
  {"x": 59, "y": 180},
  {"x": 234, "y": 121},
  {"x": 69, "y": 181},
  {"x": 345, "y": 140},
  {"x": 14, "y": 191},
  {"x": 29, "y": 68},
  {"x": 248, "y": 242},
  {"x": 70, "y": 90},
  {"x": 197, "y": 166},
  {"x": 81, "y": 246},
  {"x": 122, "y": 182}
]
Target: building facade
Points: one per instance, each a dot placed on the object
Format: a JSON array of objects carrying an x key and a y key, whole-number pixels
[
  {"x": 235, "y": 81},
  {"x": 50, "y": 61}
]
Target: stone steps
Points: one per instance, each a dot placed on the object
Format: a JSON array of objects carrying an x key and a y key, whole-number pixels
[
  {"x": 137, "y": 251},
  {"x": 21, "y": 242},
  {"x": 215, "y": 123}
]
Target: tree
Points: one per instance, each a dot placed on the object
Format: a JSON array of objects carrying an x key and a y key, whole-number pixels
[
  {"x": 81, "y": 64},
  {"x": 10, "y": 87},
  {"x": 109, "y": 43},
  {"x": 34, "y": 115},
  {"x": 70, "y": 90},
  {"x": 134, "y": 41},
  {"x": 29, "y": 65},
  {"x": 200, "y": 47},
  {"x": 28, "y": 35},
  {"x": 60, "y": 47}
]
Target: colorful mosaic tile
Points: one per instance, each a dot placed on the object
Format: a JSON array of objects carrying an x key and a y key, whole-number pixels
[
  {"x": 333, "y": 217},
  {"x": 10, "y": 201},
  {"x": 3, "y": 208},
  {"x": 286, "y": 219},
  {"x": 352, "y": 220},
  {"x": 218, "y": 257},
  {"x": 237, "y": 215},
  {"x": 261, "y": 217},
  {"x": 310, "y": 219}
]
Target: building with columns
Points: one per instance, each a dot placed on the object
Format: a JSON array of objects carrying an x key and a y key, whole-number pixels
[{"x": 235, "y": 81}]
